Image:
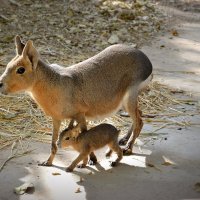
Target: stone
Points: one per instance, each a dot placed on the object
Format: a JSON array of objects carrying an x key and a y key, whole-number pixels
[{"x": 114, "y": 39}]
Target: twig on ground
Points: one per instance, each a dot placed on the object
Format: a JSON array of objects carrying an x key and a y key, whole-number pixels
[{"x": 14, "y": 154}]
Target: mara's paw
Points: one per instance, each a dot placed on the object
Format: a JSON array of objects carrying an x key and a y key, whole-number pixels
[
  {"x": 81, "y": 166},
  {"x": 45, "y": 163},
  {"x": 69, "y": 169},
  {"x": 113, "y": 164},
  {"x": 127, "y": 151}
]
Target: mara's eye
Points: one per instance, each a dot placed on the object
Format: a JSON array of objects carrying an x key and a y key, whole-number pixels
[
  {"x": 67, "y": 138},
  {"x": 20, "y": 70}
]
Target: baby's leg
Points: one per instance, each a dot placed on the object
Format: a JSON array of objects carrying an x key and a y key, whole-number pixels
[
  {"x": 83, "y": 165},
  {"x": 108, "y": 153},
  {"x": 81, "y": 156},
  {"x": 93, "y": 159},
  {"x": 116, "y": 148}
]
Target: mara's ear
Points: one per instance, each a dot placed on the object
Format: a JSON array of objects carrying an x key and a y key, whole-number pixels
[
  {"x": 19, "y": 45},
  {"x": 75, "y": 131},
  {"x": 71, "y": 124},
  {"x": 31, "y": 52}
]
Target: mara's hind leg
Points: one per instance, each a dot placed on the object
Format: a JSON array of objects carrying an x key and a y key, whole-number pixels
[
  {"x": 125, "y": 138},
  {"x": 131, "y": 105},
  {"x": 114, "y": 146}
]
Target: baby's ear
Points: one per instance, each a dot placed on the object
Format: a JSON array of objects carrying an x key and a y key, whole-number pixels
[{"x": 75, "y": 131}]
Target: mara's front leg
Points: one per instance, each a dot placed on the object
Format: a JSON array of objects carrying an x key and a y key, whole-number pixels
[
  {"x": 83, "y": 127},
  {"x": 56, "y": 127}
]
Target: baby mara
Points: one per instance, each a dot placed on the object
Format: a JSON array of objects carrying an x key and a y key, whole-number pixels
[{"x": 88, "y": 141}]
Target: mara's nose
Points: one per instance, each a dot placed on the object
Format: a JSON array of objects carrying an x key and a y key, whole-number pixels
[{"x": 1, "y": 85}]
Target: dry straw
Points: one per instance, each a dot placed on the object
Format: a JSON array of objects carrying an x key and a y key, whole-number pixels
[{"x": 21, "y": 118}]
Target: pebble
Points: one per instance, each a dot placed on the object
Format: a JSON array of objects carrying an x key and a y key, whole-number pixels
[{"x": 114, "y": 39}]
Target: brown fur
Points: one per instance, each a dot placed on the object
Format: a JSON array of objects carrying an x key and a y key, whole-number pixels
[
  {"x": 96, "y": 87},
  {"x": 89, "y": 141}
]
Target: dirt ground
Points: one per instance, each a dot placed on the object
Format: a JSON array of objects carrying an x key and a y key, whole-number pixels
[
  {"x": 192, "y": 6},
  {"x": 69, "y": 31},
  {"x": 165, "y": 163}
]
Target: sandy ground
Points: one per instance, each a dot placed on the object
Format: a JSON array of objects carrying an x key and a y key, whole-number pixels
[
  {"x": 176, "y": 59},
  {"x": 142, "y": 176}
]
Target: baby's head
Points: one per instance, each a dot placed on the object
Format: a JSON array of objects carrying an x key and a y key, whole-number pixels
[{"x": 67, "y": 137}]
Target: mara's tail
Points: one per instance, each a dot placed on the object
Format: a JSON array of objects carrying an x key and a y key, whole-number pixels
[{"x": 146, "y": 82}]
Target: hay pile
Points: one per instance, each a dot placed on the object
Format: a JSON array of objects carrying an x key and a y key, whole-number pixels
[{"x": 20, "y": 117}]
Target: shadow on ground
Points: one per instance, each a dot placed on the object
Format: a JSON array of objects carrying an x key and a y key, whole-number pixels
[{"x": 140, "y": 176}]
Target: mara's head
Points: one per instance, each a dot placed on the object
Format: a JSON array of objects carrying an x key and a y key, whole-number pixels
[
  {"x": 68, "y": 137},
  {"x": 19, "y": 73}
]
